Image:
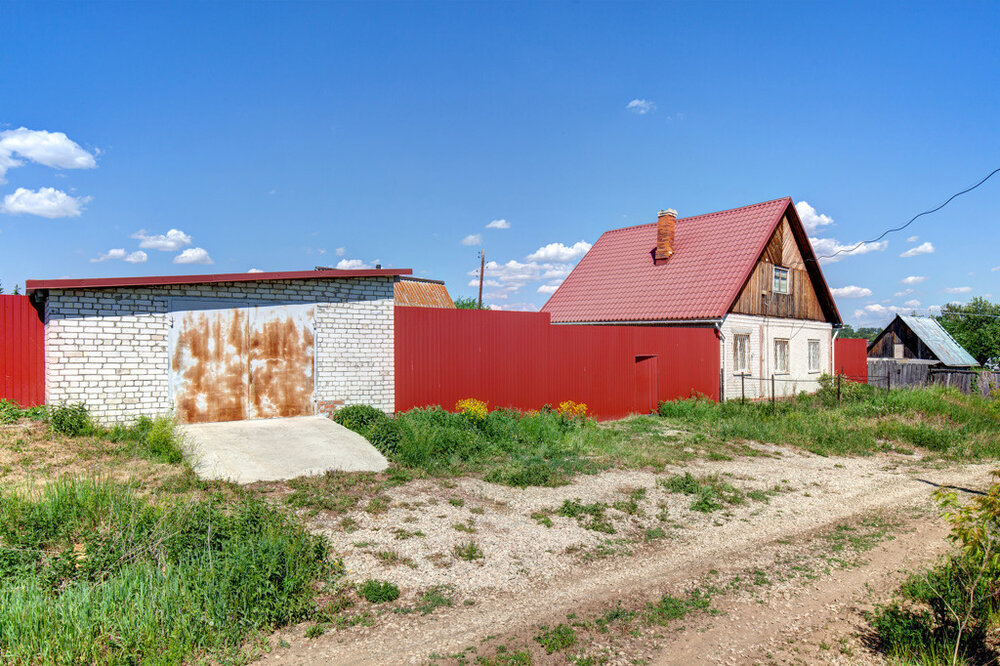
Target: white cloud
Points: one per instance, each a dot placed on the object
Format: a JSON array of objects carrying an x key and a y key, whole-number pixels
[
  {"x": 498, "y": 224},
  {"x": 351, "y": 265},
  {"x": 193, "y": 255},
  {"x": 560, "y": 252},
  {"x": 912, "y": 303},
  {"x": 811, "y": 220},
  {"x": 875, "y": 307},
  {"x": 52, "y": 149},
  {"x": 341, "y": 251},
  {"x": 255, "y": 270},
  {"x": 171, "y": 241},
  {"x": 851, "y": 292},
  {"x": 472, "y": 239},
  {"x": 913, "y": 279},
  {"x": 934, "y": 308},
  {"x": 548, "y": 288},
  {"x": 45, "y": 202},
  {"x": 640, "y": 106},
  {"x": 913, "y": 239},
  {"x": 137, "y": 257},
  {"x": 900, "y": 294},
  {"x": 924, "y": 248},
  {"x": 995, "y": 268},
  {"x": 957, "y": 290},
  {"x": 830, "y": 250}
]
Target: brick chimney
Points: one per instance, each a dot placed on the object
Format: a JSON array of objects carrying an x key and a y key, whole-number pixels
[{"x": 665, "y": 224}]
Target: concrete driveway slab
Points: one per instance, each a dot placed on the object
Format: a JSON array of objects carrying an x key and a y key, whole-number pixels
[{"x": 277, "y": 449}]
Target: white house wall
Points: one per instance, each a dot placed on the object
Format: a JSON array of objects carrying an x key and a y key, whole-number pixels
[
  {"x": 763, "y": 331},
  {"x": 109, "y": 348}
]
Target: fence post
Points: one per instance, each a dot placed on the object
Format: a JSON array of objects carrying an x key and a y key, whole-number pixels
[
  {"x": 772, "y": 393},
  {"x": 838, "y": 389},
  {"x": 743, "y": 389},
  {"x": 888, "y": 379}
]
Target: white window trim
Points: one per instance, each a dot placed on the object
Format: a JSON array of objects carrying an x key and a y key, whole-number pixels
[
  {"x": 819, "y": 357},
  {"x": 788, "y": 356},
  {"x": 746, "y": 371},
  {"x": 788, "y": 279}
]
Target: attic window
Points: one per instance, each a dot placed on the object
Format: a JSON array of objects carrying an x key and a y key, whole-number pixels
[{"x": 780, "y": 280}]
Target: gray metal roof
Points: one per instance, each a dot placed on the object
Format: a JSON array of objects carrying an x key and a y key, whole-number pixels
[{"x": 939, "y": 341}]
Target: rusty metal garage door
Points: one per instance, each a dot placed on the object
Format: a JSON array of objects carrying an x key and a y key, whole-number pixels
[{"x": 231, "y": 360}]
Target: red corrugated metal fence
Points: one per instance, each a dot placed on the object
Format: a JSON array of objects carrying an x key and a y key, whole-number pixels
[
  {"x": 22, "y": 352},
  {"x": 851, "y": 358},
  {"x": 520, "y": 360}
]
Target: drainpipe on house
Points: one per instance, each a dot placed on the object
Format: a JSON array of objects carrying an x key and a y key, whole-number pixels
[
  {"x": 833, "y": 353},
  {"x": 722, "y": 362}
]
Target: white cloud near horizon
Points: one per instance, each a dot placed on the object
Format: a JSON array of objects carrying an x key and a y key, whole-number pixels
[
  {"x": 548, "y": 288},
  {"x": 913, "y": 239},
  {"x": 811, "y": 220},
  {"x": 924, "y": 248},
  {"x": 194, "y": 255},
  {"x": 255, "y": 270},
  {"x": 851, "y": 291},
  {"x": 830, "y": 250},
  {"x": 912, "y": 279},
  {"x": 957, "y": 290},
  {"x": 641, "y": 106},
  {"x": 51, "y": 149},
  {"x": 137, "y": 257},
  {"x": 171, "y": 241},
  {"x": 914, "y": 303},
  {"x": 341, "y": 251},
  {"x": 351, "y": 265},
  {"x": 44, "y": 202},
  {"x": 472, "y": 239},
  {"x": 498, "y": 224},
  {"x": 560, "y": 253}
]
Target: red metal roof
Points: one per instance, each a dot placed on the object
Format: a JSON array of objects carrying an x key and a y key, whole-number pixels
[
  {"x": 164, "y": 280},
  {"x": 714, "y": 255},
  {"x": 419, "y": 292}
]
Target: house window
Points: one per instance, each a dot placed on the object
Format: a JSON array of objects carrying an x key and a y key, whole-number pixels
[
  {"x": 781, "y": 355},
  {"x": 741, "y": 353},
  {"x": 814, "y": 356},
  {"x": 780, "y": 285}
]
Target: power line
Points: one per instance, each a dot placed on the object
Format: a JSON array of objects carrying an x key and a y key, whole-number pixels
[{"x": 912, "y": 219}]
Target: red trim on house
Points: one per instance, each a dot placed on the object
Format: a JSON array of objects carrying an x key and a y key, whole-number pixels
[{"x": 32, "y": 286}]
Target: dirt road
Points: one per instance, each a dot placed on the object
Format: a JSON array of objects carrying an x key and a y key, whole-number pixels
[{"x": 808, "y": 619}]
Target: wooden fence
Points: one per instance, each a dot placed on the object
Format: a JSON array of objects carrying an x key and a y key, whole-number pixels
[{"x": 894, "y": 374}]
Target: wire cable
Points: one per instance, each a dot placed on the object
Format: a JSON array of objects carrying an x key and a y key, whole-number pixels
[{"x": 912, "y": 219}]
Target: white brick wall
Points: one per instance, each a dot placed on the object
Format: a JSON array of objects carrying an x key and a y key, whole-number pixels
[
  {"x": 763, "y": 331},
  {"x": 108, "y": 348}
]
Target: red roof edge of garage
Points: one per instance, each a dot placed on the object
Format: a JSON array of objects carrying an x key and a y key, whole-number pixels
[{"x": 31, "y": 286}]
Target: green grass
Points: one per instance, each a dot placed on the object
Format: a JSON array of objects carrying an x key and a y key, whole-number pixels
[
  {"x": 590, "y": 516},
  {"x": 711, "y": 493},
  {"x": 556, "y": 639},
  {"x": 378, "y": 591},
  {"x": 868, "y": 420},
  {"x": 196, "y": 577},
  {"x": 468, "y": 551}
]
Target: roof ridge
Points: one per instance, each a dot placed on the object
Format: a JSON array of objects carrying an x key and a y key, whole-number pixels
[{"x": 691, "y": 217}]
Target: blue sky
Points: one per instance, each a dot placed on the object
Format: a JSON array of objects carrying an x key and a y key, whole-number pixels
[{"x": 283, "y": 136}]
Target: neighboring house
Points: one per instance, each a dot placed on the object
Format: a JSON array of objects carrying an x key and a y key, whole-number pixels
[
  {"x": 908, "y": 337},
  {"x": 422, "y": 293},
  {"x": 750, "y": 272},
  {"x": 220, "y": 347}
]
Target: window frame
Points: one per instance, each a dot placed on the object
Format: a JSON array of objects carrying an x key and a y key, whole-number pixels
[
  {"x": 788, "y": 353},
  {"x": 819, "y": 356},
  {"x": 745, "y": 370},
  {"x": 776, "y": 281}
]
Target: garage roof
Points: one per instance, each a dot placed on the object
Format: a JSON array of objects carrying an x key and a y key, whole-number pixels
[{"x": 32, "y": 286}]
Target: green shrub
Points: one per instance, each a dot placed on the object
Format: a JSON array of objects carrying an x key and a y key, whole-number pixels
[
  {"x": 195, "y": 577},
  {"x": 73, "y": 420},
  {"x": 10, "y": 412},
  {"x": 359, "y": 418},
  {"x": 379, "y": 591},
  {"x": 385, "y": 435}
]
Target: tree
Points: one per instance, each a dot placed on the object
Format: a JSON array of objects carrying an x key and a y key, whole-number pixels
[
  {"x": 469, "y": 304},
  {"x": 975, "y": 326},
  {"x": 866, "y": 333},
  {"x": 17, "y": 290}
]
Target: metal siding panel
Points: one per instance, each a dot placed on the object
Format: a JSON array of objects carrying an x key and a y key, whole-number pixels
[
  {"x": 281, "y": 361},
  {"x": 851, "y": 358},
  {"x": 520, "y": 360},
  {"x": 22, "y": 365}
]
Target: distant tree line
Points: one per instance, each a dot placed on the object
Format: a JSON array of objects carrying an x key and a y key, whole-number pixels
[
  {"x": 975, "y": 326},
  {"x": 865, "y": 332}
]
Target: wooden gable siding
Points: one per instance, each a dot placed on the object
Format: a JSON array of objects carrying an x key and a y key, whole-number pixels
[
  {"x": 800, "y": 303},
  {"x": 897, "y": 332}
]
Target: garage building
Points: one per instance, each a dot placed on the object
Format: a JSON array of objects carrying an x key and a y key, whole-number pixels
[{"x": 220, "y": 347}]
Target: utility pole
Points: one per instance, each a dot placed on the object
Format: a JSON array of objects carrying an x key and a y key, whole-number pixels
[{"x": 482, "y": 266}]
